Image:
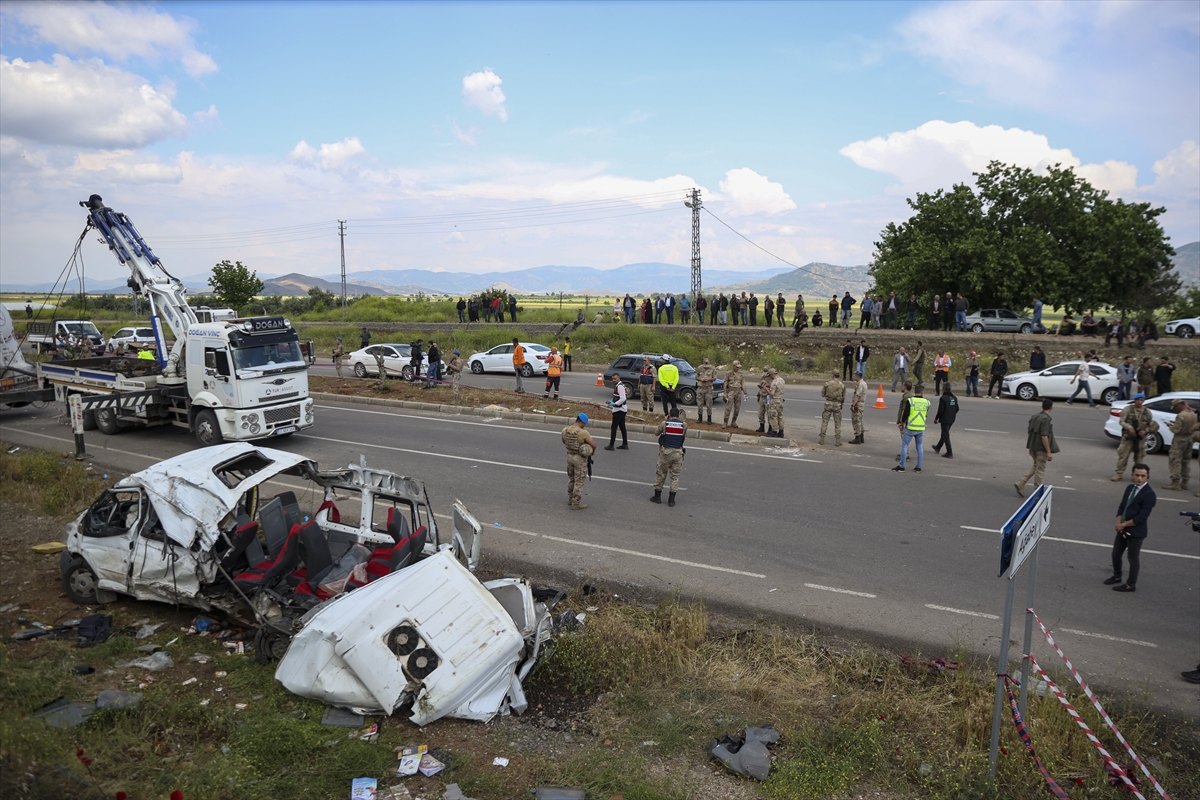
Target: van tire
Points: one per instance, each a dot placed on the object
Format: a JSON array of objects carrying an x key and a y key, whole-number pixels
[{"x": 79, "y": 583}]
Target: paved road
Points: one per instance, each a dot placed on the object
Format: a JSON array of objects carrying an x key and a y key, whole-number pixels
[{"x": 827, "y": 535}]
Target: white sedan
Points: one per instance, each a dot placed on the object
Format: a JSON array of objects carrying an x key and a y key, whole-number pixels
[
  {"x": 1161, "y": 411},
  {"x": 397, "y": 360},
  {"x": 500, "y": 359},
  {"x": 1183, "y": 328},
  {"x": 1055, "y": 383}
]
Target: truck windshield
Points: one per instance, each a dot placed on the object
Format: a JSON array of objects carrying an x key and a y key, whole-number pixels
[
  {"x": 278, "y": 355},
  {"x": 81, "y": 328}
]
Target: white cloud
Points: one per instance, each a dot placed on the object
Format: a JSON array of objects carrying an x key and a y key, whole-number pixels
[
  {"x": 1120, "y": 61},
  {"x": 1179, "y": 172},
  {"x": 455, "y": 238},
  {"x": 331, "y": 156},
  {"x": 119, "y": 32},
  {"x": 210, "y": 117},
  {"x": 746, "y": 192},
  {"x": 465, "y": 135},
  {"x": 85, "y": 103},
  {"x": 938, "y": 154},
  {"x": 482, "y": 90}
]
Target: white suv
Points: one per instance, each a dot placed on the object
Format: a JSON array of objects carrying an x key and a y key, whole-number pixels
[
  {"x": 1183, "y": 328},
  {"x": 141, "y": 337}
]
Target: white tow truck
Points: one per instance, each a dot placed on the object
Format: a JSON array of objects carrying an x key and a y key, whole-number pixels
[{"x": 225, "y": 380}]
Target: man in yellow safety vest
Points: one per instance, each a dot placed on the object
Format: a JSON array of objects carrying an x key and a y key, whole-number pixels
[
  {"x": 668, "y": 382},
  {"x": 915, "y": 412}
]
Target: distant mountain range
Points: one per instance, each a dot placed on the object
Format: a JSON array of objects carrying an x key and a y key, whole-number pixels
[{"x": 816, "y": 279}]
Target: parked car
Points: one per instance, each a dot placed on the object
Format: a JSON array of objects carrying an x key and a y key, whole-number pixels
[
  {"x": 140, "y": 337},
  {"x": 397, "y": 360},
  {"x": 1000, "y": 320},
  {"x": 628, "y": 369},
  {"x": 1161, "y": 411},
  {"x": 499, "y": 359},
  {"x": 1183, "y": 328},
  {"x": 1055, "y": 382}
]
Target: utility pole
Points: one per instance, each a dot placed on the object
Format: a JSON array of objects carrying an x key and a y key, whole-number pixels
[
  {"x": 342, "y": 237},
  {"x": 695, "y": 204}
]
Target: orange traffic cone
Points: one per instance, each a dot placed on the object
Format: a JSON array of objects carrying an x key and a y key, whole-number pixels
[
  {"x": 600, "y": 379},
  {"x": 879, "y": 399}
]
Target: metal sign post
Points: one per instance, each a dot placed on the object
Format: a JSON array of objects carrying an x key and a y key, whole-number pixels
[
  {"x": 1018, "y": 540},
  {"x": 75, "y": 404}
]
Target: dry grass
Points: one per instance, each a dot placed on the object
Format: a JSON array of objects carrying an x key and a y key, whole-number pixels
[{"x": 53, "y": 483}]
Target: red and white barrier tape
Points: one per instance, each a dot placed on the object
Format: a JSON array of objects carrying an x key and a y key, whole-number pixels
[
  {"x": 1096, "y": 703},
  {"x": 1055, "y": 789}
]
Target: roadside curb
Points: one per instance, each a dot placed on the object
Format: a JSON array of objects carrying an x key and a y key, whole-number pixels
[{"x": 540, "y": 419}]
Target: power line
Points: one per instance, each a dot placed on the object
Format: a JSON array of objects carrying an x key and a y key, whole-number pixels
[{"x": 768, "y": 252}]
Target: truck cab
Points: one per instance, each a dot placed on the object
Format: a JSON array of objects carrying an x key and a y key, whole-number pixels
[{"x": 247, "y": 379}]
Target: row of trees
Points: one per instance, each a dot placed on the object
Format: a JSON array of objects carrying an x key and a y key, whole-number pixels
[{"x": 1018, "y": 235}]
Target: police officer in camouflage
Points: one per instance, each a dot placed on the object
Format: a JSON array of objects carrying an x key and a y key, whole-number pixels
[
  {"x": 856, "y": 407},
  {"x": 1136, "y": 422},
  {"x": 580, "y": 447},
  {"x": 706, "y": 373},
  {"x": 671, "y": 434},
  {"x": 775, "y": 405},
  {"x": 735, "y": 386},
  {"x": 1180, "y": 456},
  {"x": 834, "y": 392},
  {"x": 764, "y": 388}
]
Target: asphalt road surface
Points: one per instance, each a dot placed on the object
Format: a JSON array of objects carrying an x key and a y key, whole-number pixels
[{"x": 828, "y": 536}]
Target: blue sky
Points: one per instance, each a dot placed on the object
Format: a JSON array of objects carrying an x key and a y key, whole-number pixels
[{"x": 805, "y": 125}]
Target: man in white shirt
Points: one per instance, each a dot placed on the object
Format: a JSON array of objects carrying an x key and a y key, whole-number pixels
[{"x": 899, "y": 368}]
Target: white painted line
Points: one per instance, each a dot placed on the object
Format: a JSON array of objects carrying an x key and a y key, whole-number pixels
[
  {"x": 960, "y": 477},
  {"x": 961, "y": 611},
  {"x": 1105, "y": 545},
  {"x": 839, "y": 591},
  {"x": 1058, "y": 488},
  {"x": 985, "y": 530},
  {"x": 982, "y": 430},
  {"x": 1078, "y": 438},
  {"x": 651, "y": 555},
  {"x": 464, "y": 458},
  {"x": 864, "y": 466},
  {"x": 1107, "y": 637},
  {"x": 1172, "y": 499},
  {"x": 104, "y": 450}
]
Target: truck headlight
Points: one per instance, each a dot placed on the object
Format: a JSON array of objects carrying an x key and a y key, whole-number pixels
[{"x": 308, "y": 413}]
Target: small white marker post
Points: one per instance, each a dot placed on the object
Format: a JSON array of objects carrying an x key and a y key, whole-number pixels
[
  {"x": 1018, "y": 540},
  {"x": 75, "y": 404}
]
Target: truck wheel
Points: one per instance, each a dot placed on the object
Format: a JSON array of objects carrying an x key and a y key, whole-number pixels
[
  {"x": 207, "y": 430},
  {"x": 79, "y": 583},
  {"x": 107, "y": 422},
  {"x": 89, "y": 420}
]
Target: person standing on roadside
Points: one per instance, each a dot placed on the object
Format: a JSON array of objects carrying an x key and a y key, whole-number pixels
[
  {"x": 519, "y": 364},
  {"x": 864, "y": 311},
  {"x": 381, "y": 367},
  {"x": 646, "y": 383},
  {"x": 768, "y": 309},
  {"x": 554, "y": 364},
  {"x": 833, "y": 312},
  {"x": 960, "y": 312},
  {"x": 848, "y": 304},
  {"x": 910, "y": 315},
  {"x": 861, "y": 354},
  {"x": 744, "y": 308},
  {"x": 416, "y": 358},
  {"x": 999, "y": 370},
  {"x": 973, "y": 375},
  {"x": 461, "y": 307},
  {"x": 1126, "y": 375},
  {"x": 580, "y": 447},
  {"x": 948, "y": 312},
  {"x": 847, "y": 359},
  {"x": 753, "y": 304},
  {"x": 1037, "y": 359},
  {"x": 1136, "y": 421},
  {"x": 935, "y": 312},
  {"x": 1037, "y": 316},
  {"x": 857, "y": 404},
  {"x": 946, "y": 414},
  {"x": 1162, "y": 375},
  {"x": 620, "y": 406},
  {"x": 916, "y": 412},
  {"x": 435, "y": 364},
  {"x": 339, "y": 353},
  {"x": 668, "y": 384},
  {"x": 685, "y": 310},
  {"x": 1145, "y": 377},
  {"x": 918, "y": 364},
  {"x": 669, "y": 306},
  {"x": 706, "y": 373},
  {"x": 780, "y": 309},
  {"x": 892, "y": 310},
  {"x": 1133, "y": 515},
  {"x": 365, "y": 338},
  {"x": 764, "y": 393},
  {"x": 941, "y": 371},
  {"x": 671, "y": 432},
  {"x": 899, "y": 368},
  {"x": 1040, "y": 443},
  {"x": 566, "y": 352},
  {"x": 1183, "y": 428},
  {"x": 775, "y": 391},
  {"x": 1083, "y": 374},
  {"x": 512, "y": 308},
  {"x": 735, "y": 385},
  {"x": 876, "y": 311},
  {"x": 798, "y": 308},
  {"x": 454, "y": 369},
  {"x": 834, "y": 392}
]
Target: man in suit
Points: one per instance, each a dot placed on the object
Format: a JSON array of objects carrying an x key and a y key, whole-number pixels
[{"x": 1132, "y": 517}]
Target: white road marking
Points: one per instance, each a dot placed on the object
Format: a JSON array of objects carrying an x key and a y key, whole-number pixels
[
  {"x": 651, "y": 555},
  {"x": 961, "y": 611},
  {"x": 106, "y": 449},
  {"x": 864, "y": 466},
  {"x": 1078, "y": 438},
  {"x": 839, "y": 591},
  {"x": 960, "y": 477},
  {"x": 1172, "y": 499},
  {"x": 982, "y": 430},
  {"x": 1089, "y": 544},
  {"x": 1106, "y": 637}
]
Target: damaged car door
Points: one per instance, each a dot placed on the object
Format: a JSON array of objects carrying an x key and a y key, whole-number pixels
[
  {"x": 468, "y": 535},
  {"x": 109, "y": 527},
  {"x": 162, "y": 569}
]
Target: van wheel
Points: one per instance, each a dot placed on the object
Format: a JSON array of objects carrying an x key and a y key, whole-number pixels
[
  {"x": 80, "y": 584},
  {"x": 687, "y": 397},
  {"x": 107, "y": 421},
  {"x": 207, "y": 430}
]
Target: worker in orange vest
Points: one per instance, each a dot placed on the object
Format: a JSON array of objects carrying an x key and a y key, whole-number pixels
[
  {"x": 941, "y": 371},
  {"x": 554, "y": 365}
]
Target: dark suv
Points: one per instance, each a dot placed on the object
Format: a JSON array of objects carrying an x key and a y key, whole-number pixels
[{"x": 628, "y": 369}]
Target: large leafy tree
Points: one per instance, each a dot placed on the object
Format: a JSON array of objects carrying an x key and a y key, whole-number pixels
[
  {"x": 234, "y": 284},
  {"x": 1020, "y": 235}
]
